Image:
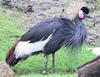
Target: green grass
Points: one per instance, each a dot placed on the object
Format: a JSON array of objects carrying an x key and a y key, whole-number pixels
[
  {"x": 50, "y": 75},
  {"x": 65, "y": 62},
  {"x": 33, "y": 66},
  {"x": 8, "y": 28}
]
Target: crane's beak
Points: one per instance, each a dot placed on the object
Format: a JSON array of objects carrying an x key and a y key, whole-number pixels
[{"x": 89, "y": 16}]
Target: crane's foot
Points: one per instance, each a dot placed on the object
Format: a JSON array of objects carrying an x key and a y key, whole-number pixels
[{"x": 45, "y": 72}]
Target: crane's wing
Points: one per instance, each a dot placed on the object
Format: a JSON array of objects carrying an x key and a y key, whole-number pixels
[
  {"x": 59, "y": 36},
  {"x": 32, "y": 41},
  {"x": 42, "y": 30}
]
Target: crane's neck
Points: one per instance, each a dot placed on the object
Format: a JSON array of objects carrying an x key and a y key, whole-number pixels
[{"x": 77, "y": 20}]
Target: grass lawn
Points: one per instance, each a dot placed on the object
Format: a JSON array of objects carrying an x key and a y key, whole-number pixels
[
  {"x": 50, "y": 75},
  {"x": 33, "y": 66}
]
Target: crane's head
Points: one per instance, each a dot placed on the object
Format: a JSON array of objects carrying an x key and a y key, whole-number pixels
[{"x": 84, "y": 13}]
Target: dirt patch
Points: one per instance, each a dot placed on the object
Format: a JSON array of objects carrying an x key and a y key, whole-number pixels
[{"x": 5, "y": 70}]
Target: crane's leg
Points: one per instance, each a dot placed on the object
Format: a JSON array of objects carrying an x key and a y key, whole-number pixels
[
  {"x": 53, "y": 62},
  {"x": 46, "y": 63}
]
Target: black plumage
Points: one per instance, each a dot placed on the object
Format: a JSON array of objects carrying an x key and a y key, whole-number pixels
[
  {"x": 42, "y": 30},
  {"x": 53, "y": 33}
]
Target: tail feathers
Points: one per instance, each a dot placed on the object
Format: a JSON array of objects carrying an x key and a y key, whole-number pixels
[
  {"x": 15, "y": 61},
  {"x": 10, "y": 57}
]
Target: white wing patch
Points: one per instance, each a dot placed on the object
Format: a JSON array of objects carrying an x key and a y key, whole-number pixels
[{"x": 25, "y": 48}]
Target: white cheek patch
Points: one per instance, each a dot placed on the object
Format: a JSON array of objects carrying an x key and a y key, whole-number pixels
[
  {"x": 25, "y": 48},
  {"x": 81, "y": 14}
]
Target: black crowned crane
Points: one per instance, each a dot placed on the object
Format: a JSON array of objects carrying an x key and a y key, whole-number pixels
[{"x": 49, "y": 36}]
